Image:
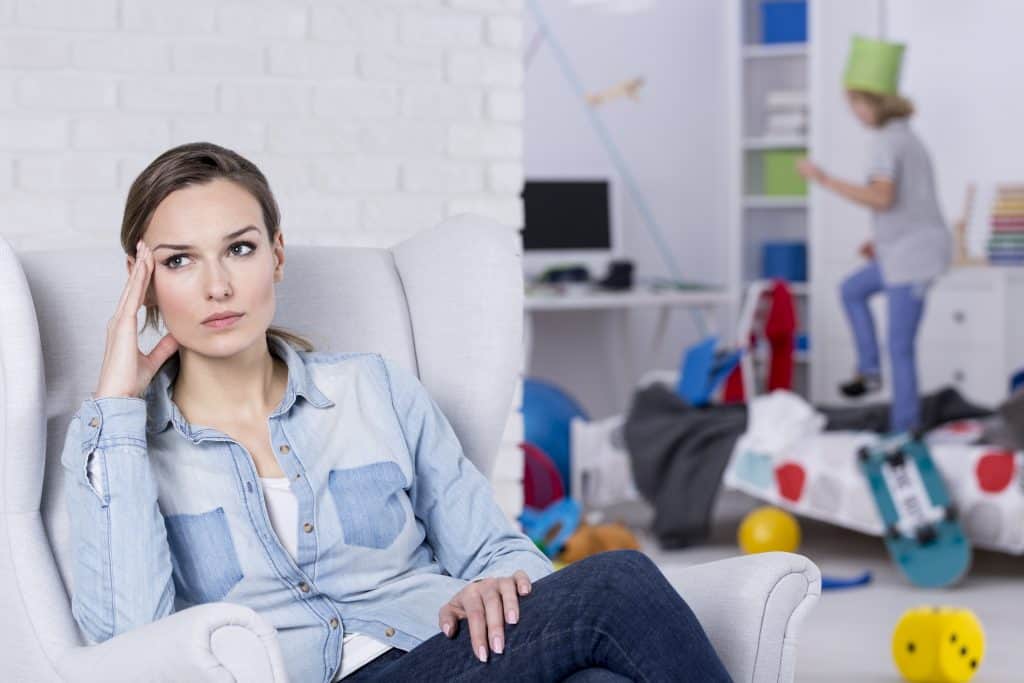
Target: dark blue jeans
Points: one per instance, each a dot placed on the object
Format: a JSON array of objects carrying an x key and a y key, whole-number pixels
[{"x": 610, "y": 618}]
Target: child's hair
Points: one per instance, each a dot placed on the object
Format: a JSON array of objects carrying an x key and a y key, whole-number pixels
[
  {"x": 197, "y": 163},
  {"x": 886, "y": 107}
]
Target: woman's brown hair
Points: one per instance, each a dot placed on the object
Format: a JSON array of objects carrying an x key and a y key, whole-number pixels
[
  {"x": 886, "y": 107},
  {"x": 197, "y": 163}
]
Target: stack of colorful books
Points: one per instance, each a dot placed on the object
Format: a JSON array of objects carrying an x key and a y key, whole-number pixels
[{"x": 1006, "y": 242}]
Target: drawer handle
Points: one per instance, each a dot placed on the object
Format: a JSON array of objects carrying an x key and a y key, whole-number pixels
[
  {"x": 959, "y": 317},
  {"x": 958, "y": 376}
]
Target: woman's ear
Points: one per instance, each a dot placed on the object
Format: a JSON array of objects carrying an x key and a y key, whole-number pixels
[{"x": 278, "y": 257}]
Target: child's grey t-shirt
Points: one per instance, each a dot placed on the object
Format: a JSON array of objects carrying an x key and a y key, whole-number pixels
[{"x": 912, "y": 242}]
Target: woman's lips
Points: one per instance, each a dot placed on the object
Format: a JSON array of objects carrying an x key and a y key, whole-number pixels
[{"x": 224, "y": 322}]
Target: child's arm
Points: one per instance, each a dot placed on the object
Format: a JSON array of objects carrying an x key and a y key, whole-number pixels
[{"x": 878, "y": 194}]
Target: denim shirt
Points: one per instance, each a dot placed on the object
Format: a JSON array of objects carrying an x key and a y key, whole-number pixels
[{"x": 394, "y": 520}]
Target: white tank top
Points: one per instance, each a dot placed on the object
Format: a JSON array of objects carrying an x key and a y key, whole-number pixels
[{"x": 283, "y": 509}]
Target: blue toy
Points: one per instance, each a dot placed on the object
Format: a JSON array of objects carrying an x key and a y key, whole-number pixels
[
  {"x": 922, "y": 533},
  {"x": 830, "y": 583},
  {"x": 551, "y": 527},
  {"x": 547, "y": 412},
  {"x": 703, "y": 369}
]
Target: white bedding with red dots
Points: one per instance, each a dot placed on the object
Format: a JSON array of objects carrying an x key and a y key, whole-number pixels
[{"x": 816, "y": 475}]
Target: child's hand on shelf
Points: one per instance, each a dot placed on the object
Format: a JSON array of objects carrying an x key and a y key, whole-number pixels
[{"x": 810, "y": 170}]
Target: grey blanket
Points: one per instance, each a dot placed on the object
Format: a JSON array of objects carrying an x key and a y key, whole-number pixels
[{"x": 679, "y": 452}]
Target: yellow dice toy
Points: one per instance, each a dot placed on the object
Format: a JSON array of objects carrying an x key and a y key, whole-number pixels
[{"x": 938, "y": 645}]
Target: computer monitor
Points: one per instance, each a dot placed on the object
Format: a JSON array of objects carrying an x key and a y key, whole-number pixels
[{"x": 569, "y": 221}]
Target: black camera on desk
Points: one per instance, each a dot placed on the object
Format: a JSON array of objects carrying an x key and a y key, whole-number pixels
[{"x": 619, "y": 276}]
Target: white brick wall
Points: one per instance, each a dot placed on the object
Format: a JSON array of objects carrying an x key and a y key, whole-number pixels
[{"x": 372, "y": 118}]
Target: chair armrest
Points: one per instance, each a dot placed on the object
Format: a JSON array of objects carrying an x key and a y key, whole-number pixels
[
  {"x": 213, "y": 642},
  {"x": 752, "y": 608}
]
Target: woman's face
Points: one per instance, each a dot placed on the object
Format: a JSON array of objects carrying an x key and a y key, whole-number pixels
[{"x": 211, "y": 254}]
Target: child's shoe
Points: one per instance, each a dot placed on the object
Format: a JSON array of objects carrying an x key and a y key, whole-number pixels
[{"x": 861, "y": 385}]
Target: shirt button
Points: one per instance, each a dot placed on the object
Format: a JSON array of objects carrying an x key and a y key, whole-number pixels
[
  {"x": 298, "y": 476},
  {"x": 334, "y": 622},
  {"x": 307, "y": 527},
  {"x": 94, "y": 422},
  {"x": 304, "y": 587},
  {"x": 389, "y": 631},
  {"x": 284, "y": 449}
]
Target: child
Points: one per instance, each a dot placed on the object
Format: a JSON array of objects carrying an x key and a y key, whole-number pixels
[{"x": 911, "y": 245}]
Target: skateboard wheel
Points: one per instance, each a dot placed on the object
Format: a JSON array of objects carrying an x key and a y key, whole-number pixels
[{"x": 896, "y": 459}]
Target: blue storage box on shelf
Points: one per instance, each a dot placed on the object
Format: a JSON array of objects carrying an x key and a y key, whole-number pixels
[
  {"x": 783, "y": 21},
  {"x": 785, "y": 260}
]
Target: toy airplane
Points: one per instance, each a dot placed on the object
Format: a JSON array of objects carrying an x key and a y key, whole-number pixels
[{"x": 628, "y": 89}]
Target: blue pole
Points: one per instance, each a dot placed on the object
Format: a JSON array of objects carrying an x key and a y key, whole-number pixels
[{"x": 650, "y": 222}]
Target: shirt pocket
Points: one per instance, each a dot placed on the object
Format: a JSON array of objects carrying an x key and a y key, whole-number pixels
[
  {"x": 369, "y": 503},
  {"x": 203, "y": 556}
]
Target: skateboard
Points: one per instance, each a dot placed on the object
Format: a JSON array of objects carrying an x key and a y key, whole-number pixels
[{"x": 922, "y": 532}]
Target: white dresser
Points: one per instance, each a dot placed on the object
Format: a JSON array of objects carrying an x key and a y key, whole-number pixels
[
  {"x": 972, "y": 336},
  {"x": 973, "y": 332}
]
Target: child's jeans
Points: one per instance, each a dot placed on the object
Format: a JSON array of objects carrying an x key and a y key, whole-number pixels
[
  {"x": 609, "y": 618},
  {"x": 906, "y": 306}
]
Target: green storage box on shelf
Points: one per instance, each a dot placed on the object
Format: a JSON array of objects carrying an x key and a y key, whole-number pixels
[{"x": 779, "y": 176}]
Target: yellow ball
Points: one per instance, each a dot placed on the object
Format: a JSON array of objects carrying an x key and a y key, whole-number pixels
[
  {"x": 938, "y": 644},
  {"x": 768, "y": 529}
]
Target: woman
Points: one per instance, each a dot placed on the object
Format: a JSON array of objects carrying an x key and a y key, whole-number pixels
[
  {"x": 326, "y": 491},
  {"x": 911, "y": 245}
]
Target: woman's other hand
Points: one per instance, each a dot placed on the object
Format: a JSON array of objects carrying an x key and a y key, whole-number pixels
[
  {"x": 486, "y": 604},
  {"x": 126, "y": 370}
]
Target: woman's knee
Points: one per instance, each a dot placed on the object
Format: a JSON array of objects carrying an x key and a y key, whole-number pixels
[
  {"x": 596, "y": 675},
  {"x": 621, "y": 568}
]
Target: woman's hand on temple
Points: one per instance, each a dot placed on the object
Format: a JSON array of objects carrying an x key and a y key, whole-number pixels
[
  {"x": 486, "y": 604},
  {"x": 126, "y": 370}
]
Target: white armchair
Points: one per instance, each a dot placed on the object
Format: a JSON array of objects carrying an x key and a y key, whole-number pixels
[{"x": 446, "y": 303}]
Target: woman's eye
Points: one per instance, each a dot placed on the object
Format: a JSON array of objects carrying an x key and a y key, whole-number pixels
[
  {"x": 246, "y": 245},
  {"x": 173, "y": 262},
  {"x": 247, "y": 248}
]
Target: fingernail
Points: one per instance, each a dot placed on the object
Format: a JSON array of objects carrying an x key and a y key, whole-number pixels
[
  {"x": 512, "y": 617},
  {"x": 447, "y": 629},
  {"x": 481, "y": 654},
  {"x": 497, "y": 644}
]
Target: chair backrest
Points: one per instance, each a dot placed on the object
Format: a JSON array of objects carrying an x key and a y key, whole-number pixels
[{"x": 446, "y": 303}]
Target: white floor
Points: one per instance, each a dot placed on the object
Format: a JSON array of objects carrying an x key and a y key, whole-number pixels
[{"x": 847, "y": 636}]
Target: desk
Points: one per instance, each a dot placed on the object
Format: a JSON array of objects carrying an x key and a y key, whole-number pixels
[{"x": 548, "y": 300}]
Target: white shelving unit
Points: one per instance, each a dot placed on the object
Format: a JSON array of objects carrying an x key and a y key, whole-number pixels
[
  {"x": 755, "y": 51},
  {"x": 761, "y": 201},
  {"x": 755, "y": 70},
  {"x": 775, "y": 142}
]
